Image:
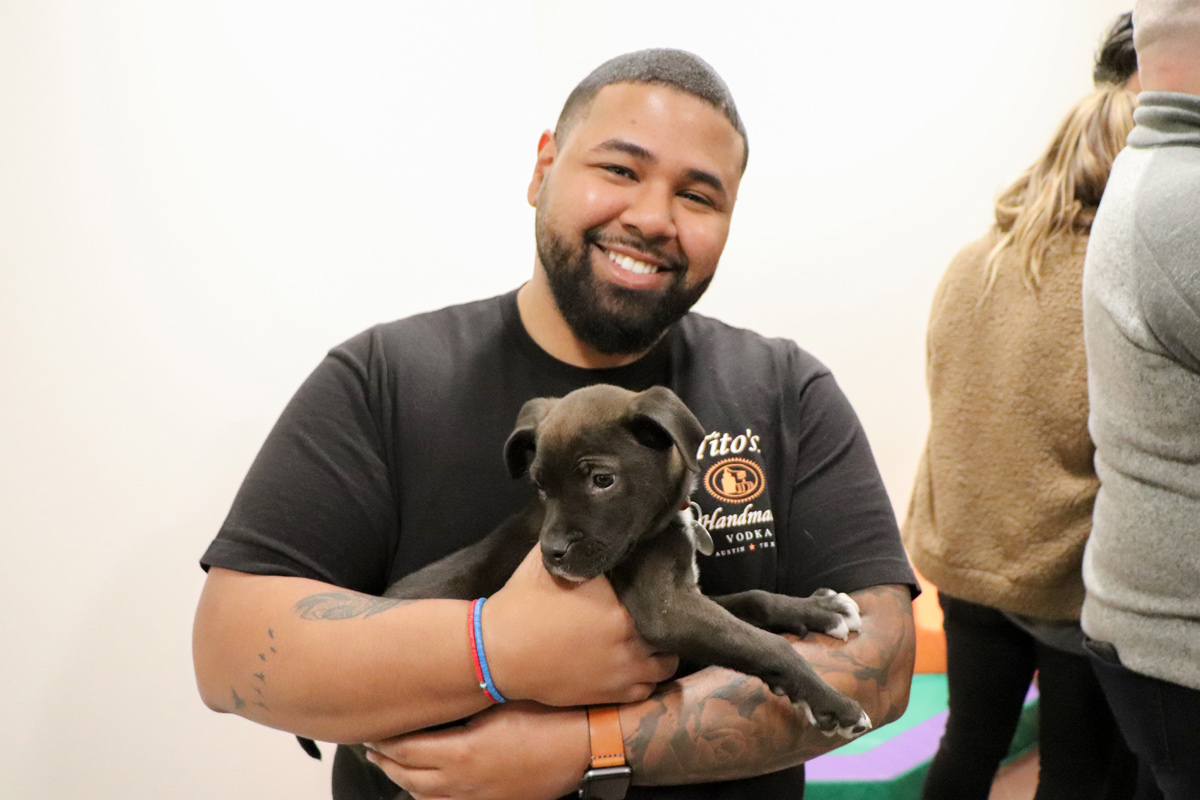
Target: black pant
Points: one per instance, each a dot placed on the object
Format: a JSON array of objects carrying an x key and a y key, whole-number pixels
[
  {"x": 1161, "y": 723},
  {"x": 990, "y": 664}
]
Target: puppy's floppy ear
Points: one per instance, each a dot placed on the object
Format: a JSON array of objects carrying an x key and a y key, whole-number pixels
[
  {"x": 522, "y": 442},
  {"x": 659, "y": 419}
]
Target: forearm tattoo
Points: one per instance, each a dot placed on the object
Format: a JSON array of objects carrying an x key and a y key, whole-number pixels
[
  {"x": 337, "y": 605},
  {"x": 722, "y": 725},
  {"x": 255, "y": 696},
  {"x": 344, "y": 605}
]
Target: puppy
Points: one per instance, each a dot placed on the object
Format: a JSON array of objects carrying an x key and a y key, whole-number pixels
[{"x": 615, "y": 470}]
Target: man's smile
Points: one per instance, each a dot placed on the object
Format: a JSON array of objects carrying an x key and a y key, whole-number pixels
[
  {"x": 626, "y": 270},
  {"x": 631, "y": 264},
  {"x": 637, "y": 267}
]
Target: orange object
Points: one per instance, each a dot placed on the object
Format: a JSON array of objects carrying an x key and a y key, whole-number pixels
[
  {"x": 604, "y": 729},
  {"x": 931, "y": 639}
]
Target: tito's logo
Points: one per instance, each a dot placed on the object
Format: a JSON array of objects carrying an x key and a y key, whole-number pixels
[{"x": 735, "y": 480}]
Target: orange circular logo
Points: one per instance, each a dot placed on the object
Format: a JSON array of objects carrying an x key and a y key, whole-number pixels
[{"x": 735, "y": 480}]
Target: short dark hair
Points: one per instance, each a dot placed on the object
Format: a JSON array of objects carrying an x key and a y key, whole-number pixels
[
  {"x": 1116, "y": 61},
  {"x": 677, "y": 69}
]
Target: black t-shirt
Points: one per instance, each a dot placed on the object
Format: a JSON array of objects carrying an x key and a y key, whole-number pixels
[{"x": 390, "y": 456}]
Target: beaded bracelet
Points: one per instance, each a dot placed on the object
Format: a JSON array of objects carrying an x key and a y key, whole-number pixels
[{"x": 482, "y": 674}]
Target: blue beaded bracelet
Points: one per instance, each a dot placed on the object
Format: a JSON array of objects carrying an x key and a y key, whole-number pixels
[{"x": 481, "y": 663}]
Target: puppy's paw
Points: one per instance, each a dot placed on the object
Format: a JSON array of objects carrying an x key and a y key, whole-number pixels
[
  {"x": 843, "y": 718},
  {"x": 857, "y": 729},
  {"x": 844, "y": 615},
  {"x": 850, "y": 611},
  {"x": 826, "y": 723}
]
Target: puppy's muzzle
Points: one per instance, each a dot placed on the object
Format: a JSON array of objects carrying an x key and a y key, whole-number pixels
[{"x": 562, "y": 554}]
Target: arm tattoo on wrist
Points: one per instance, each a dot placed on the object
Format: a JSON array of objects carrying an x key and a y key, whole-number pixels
[{"x": 344, "y": 605}]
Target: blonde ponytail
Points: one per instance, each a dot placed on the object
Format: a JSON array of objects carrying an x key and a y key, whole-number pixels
[{"x": 1061, "y": 190}]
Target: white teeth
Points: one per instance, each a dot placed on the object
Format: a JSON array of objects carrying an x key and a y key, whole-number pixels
[{"x": 632, "y": 264}]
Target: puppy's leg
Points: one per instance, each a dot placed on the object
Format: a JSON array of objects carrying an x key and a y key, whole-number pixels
[
  {"x": 672, "y": 615},
  {"x": 697, "y": 628},
  {"x": 825, "y": 611}
]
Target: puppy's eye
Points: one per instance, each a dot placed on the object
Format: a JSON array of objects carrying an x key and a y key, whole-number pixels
[{"x": 602, "y": 480}]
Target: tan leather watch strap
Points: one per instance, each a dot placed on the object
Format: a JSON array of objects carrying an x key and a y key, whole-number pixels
[{"x": 604, "y": 729}]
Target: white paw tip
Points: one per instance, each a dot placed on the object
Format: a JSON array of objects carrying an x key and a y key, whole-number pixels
[
  {"x": 858, "y": 729},
  {"x": 851, "y": 611}
]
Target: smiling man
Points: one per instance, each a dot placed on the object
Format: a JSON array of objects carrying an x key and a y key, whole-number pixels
[
  {"x": 389, "y": 457},
  {"x": 632, "y": 216}
]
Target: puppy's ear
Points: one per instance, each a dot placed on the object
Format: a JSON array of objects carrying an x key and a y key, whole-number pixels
[
  {"x": 659, "y": 419},
  {"x": 522, "y": 442}
]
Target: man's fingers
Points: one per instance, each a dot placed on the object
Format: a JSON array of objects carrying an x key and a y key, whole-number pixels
[
  {"x": 421, "y": 783},
  {"x": 638, "y": 692},
  {"x": 418, "y": 751},
  {"x": 665, "y": 665}
]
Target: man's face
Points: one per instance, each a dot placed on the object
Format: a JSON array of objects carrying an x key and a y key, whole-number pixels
[{"x": 633, "y": 211}]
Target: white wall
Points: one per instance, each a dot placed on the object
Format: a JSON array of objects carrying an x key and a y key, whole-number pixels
[{"x": 197, "y": 199}]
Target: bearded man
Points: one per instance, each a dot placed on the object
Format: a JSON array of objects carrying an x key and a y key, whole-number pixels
[{"x": 388, "y": 458}]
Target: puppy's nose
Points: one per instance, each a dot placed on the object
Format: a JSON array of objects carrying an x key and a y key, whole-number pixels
[
  {"x": 555, "y": 553},
  {"x": 556, "y": 547}
]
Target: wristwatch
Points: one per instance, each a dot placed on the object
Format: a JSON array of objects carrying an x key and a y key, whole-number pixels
[{"x": 608, "y": 777}]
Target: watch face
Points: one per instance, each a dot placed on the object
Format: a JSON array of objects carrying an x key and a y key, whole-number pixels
[{"x": 605, "y": 783}]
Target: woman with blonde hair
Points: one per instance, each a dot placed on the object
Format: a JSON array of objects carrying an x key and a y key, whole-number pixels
[{"x": 1002, "y": 502}]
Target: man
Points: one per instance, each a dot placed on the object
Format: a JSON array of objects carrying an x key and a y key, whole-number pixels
[
  {"x": 1142, "y": 329},
  {"x": 389, "y": 458}
]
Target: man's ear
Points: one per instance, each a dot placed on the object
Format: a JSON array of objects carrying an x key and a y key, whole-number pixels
[{"x": 547, "y": 150}]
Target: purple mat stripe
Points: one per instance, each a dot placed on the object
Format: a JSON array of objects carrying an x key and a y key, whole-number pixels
[{"x": 889, "y": 759}]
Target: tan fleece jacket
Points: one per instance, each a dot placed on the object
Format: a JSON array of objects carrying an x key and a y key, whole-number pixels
[{"x": 1002, "y": 503}]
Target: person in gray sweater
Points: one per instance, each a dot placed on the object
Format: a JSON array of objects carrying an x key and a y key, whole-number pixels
[{"x": 1141, "y": 291}]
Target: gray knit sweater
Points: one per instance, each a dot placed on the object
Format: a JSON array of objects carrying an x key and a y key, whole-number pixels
[{"x": 1141, "y": 292}]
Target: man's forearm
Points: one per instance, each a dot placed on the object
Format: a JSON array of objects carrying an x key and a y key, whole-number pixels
[
  {"x": 328, "y": 663},
  {"x": 721, "y": 725},
  {"x": 339, "y": 666}
]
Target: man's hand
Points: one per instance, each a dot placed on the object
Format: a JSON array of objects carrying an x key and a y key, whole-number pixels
[
  {"x": 516, "y": 750},
  {"x": 565, "y": 644}
]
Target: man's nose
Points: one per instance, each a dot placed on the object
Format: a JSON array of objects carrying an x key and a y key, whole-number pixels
[{"x": 651, "y": 213}]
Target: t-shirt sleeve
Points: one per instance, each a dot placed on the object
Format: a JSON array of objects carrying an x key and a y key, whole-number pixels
[
  {"x": 841, "y": 529},
  {"x": 317, "y": 501}
]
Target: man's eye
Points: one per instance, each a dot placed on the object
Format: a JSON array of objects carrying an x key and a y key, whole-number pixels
[
  {"x": 602, "y": 480},
  {"x": 697, "y": 198},
  {"x": 624, "y": 172}
]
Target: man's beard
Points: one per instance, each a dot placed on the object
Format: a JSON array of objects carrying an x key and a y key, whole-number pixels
[{"x": 611, "y": 319}]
